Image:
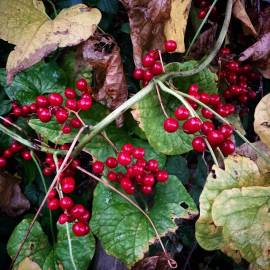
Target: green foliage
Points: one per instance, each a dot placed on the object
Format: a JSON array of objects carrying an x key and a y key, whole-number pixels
[{"x": 125, "y": 232}]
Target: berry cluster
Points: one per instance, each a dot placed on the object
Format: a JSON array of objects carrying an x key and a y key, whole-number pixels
[
  {"x": 236, "y": 78},
  {"x": 216, "y": 137},
  {"x": 139, "y": 174},
  {"x": 204, "y": 7},
  {"x": 10, "y": 151},
  {"x": 151, "y": 63}
]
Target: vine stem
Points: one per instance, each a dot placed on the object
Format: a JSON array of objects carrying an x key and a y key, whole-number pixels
[
  {"x": 171, "y": 262},
  {"x": 46, "y": 196},
  {"x": 200, "y": 27}
]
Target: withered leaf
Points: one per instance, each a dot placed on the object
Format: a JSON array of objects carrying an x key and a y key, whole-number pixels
[
  {"x": 204, "y": 42},
  {"x": 146, "y": 19},
  {"x": 12, "y": 201},
  {"x": 152, "y": 263},
  {"x": 264, "y": 22},
  {"x": 102, "y": 52}
]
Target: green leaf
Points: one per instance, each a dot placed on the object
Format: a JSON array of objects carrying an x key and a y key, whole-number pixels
[
  {"x": 76, "y": 253},
  {"x": 125, "y": 232},
  {"x": 5, "y": 107},
  {"x": 40, "y": 79},
  {"x": 234, "y": 215},
  {"x": 108, "y": 6},
  {"x": 36, "y": 247},
  {"x": 206, "y": 79}
]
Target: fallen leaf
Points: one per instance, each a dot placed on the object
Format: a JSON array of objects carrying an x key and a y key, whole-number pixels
[
  {"x": 28, "y": 264},
  {"x": 35, "y": 35},
  {"x": 12, "y": 201},
  {"x": 204, "y": 42},
  {"x": 102, "y": 52},
  {"x": 175, "y": 27},
  {"x": 264, "y": 22},
  {"x": 239, "y": 11},
  {"x": 152, "y": 263},
  {"x": 146, "y": 19},
  {"x": 262, "y": 120}
]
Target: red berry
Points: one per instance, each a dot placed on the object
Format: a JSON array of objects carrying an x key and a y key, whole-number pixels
[
  {"x": 8, "y": 153},
  {"x": 206, "y": 113},
  {"x": 42, "y": 101},
  {"x": 86, "y": 216},
  {"x": 138, "y": 153},
  {"x": 84, "y": 104},
  {"x": 33, "y": 107},
  {"x": 233, "y": 66},
  {"x": 192, "y": 125},
  {"x": 193, "y": 89},
  {"x": 47, "y": 171},
  {"x": 80, "y": 228},
  {"x": 162, "y": 176},
  {"x": 170, "y": 46},
  {"x": 204, "y": 97},
  {"x": 152, "y": 165},
  {"x": 77, "y": 211},
  {"x": 215, "y": 137},
  {"x": 128, "y": 148},
  {"x": 66, "y": 129},
  {"x": 25, "y": 110},
  {"x": 16, "y": 147},
  {"x": 71, "y": 104},
  {"x": 148, "y": 60},
  {"x": 44, "y": 115},
  {"x": 68, "y": 184},
  {"x": 26, "y": 155},
  {"x": 81, "y": 85},
  {"x": 55, "y": 99},
  {"x": 207, "y": 126},
  {"x": 202, "y": 13},
  {"x": 86, "y": 96},
  {"x": 70, "y": 93},
  {"x": 97, "y": 167},
  {"x": 138, "y": 73},
  {"x": 154, "y": 53},
  {"x": 53, "y": 204},
  {"x": 226, "y": 130},
  {"x": 181, "y": 113},
  {"x": 146, "y": 189},
  {"x": 222, "y": 110},
  {"x": 214, "y": 99},
  {"x": 170, "y": 125},
  {"x": 61, "y": 116},
  {"x": 149, "y": 180},
  {"x": 227, "y": 147},
  {"x": 127, "y": 185},
  {"x": 243, "y": 98},
  {"x": 63, "y": 218},
  {"x": 157, "y": 68},
  {"x": 52, "y": 194},
  {"x": 124, "y": 158},
  {"x": 75, "y": 122},
  {"x": 3, "y": 162},
  {"x": 225, "y": 51},
  {"x": 147, "y": 75},
  {"x": 111, "y": 162},
  {"x": 17, "y": 111},
  {"x": 66, "y": 203},
  {"x": 198, "y": 144},
  {"x": 112, "y": 176}
]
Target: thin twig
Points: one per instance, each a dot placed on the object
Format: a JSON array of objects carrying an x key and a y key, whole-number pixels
[
  {"x": 160, "y": 101},
  {"x": 12, "y": 124},
  {"x": 105, "y": 136}
]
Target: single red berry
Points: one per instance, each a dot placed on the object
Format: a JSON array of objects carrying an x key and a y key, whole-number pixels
[
  {"x": 97, "y": 167},
  {"x": 252, "y": 94},
  {"x": 66, "y": 129},
  {"x": 147, "y": 75},
  {"x": 193, "y": 104},
  {"x": 162, "y": 176},
  {"x": 202, "y": 13},
  {"x": 149, "y": 180},
  {"x": 243, "y": 98},
  {"x": 8, "y": 153},
  {"x": 170, "y": 46},
  {"x": 226, "y": 130},
  {"x": 124, "y": 158},
  {"x": 192, "y": 125},
  {"x": 138, "y": 73},
  {"x": 86, "y": 216},
  {"x": 130, "y": 190},
  {"x": 148, "y": 60},
  {"x": 25, "y": 110},
  {"x": 198, "y": 144},
  {"x": 66, "y": 203},
  {"x": 81, "y": 85},
  {"x": 17, "y": 111},
  {"x": 86, "y": 96},
  {"x": 222, "y": 110},
  {"x": 181, "y": 113},
  {"x": 63, "y": 218},
  {"x": 77, "y": 210},
  {"x": 138, "y": 153},
  {"x": 214, "y": 99},
  {"x": 53, "y": 204},
  {"x": 47, "y": 171},
  {"x": 49, "y": 159},
  {"x": 157, "y": 68},
  {"x": 75, "y": 122},
  {"x": 193, "y": 89},
  {"x": 3, "y": 162},
  {"x": 33, "y": 107},
  {"x": 233, "y": 66},
  {"x": 227, "y": 147},
  {"x": 215, "y": 137},
  {"x": 71, "y": 104},
  {"x": 55, "y": 99},
  {"x": 128, "y": 148},
  {"x": 111, "y": 162},
  {"x": 52, "y": 194},
  {"x": 207, "y": 126},
  {"x": 225, "y": 51},
  {"x": 61, "y": 116},
  {"x": 68, "y": 184},
  {"x": 112, "y": 176},
  {"x": 127, "y": 185},
  {"x": 42, "y": 101},
  {"x": 44, "y": 115},
  {"x": 80, "y": 228},
  {"x": 26, "y": 155},
  {"x": 204, "y": 97},
  {"x": 84, "y": 104},
  {"x": 206, "y": 113},
  {"x": 170, "y": 125},
  {"x": 70, "y": 93},
  {"x": 154, "y": 53},
  {"x": 146, "y": 189},
  {"x": 152, "y": 165},
  {"x": 65, "y": 147}
]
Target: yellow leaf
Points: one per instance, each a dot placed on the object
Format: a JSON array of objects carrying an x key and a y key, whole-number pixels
[
  {"x": 28, "y": 264},
  {"x": 175, "y": 27},
  {"x": 36, "y": 35}
]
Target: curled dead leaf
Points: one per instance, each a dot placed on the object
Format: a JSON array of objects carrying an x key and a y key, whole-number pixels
[
  {"x": 36, "y": 35},
  {"x": 102, "y": 52},
  {"x": 12, "y": 201},
  {"x": 152, "y": 263},
  {"x": 146, "y": 19}
]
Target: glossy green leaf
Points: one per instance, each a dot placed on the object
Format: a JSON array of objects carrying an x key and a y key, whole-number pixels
[
  {"x": 40, "y": 79},
  {"x": 5, "y": 107},
  {"x": 125, "y": 232}
]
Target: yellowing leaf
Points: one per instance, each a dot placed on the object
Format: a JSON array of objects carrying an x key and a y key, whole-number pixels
[
  {"x": 262, "y": 120},
  {"x": 175, "y": 27},
  {"x": 28, "y": 264},
  {"x": 36, "y": 35}
]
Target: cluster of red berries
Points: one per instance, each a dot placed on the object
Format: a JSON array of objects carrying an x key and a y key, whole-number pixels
[
  {"x": 216, "y": 137},
  {"x": 47, "y": 106},
  {"x": 10, "y": 151},
  {"x": 139, "y": 175},
  {"x": 235, "y": 77},
  {"x": 151, "y": 63},
  {"x": 204, "y": 7}
]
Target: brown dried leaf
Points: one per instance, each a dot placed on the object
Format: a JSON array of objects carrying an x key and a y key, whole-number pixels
[
  {"x": 264, "y": 22},
  {"x": 240, "y": 13},
  {"x": 146, "y": 19},
  {"x": 12, "y": 201},
  {"x": 102, "y": 52},
  {"x": 204, "y": 42},
  {"x": 152, "y": 263}
]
